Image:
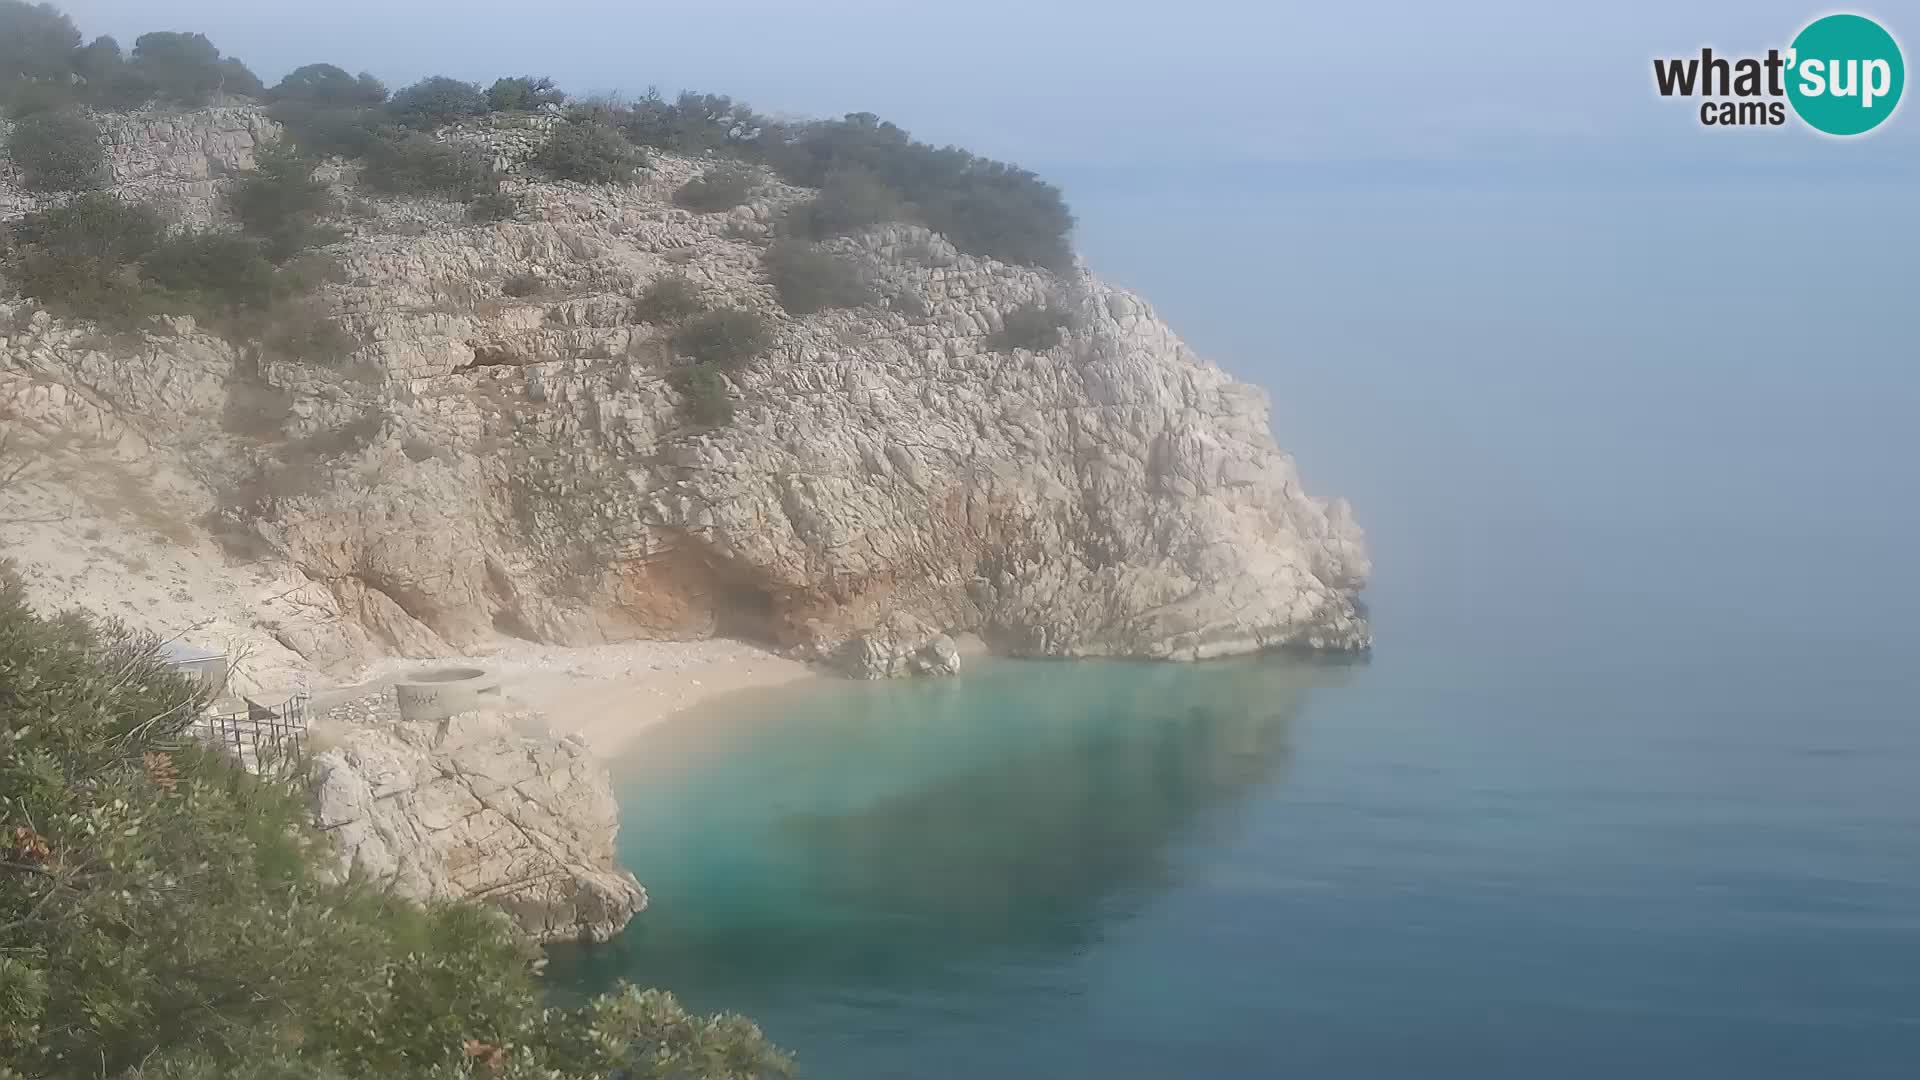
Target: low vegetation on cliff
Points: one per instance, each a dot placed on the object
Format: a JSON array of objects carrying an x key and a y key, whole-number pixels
[
  {"x": 165, "y": 915},
  {"x": 57, "y": 150},
  {"x": 870, "y": 170},
  {"x": 43, "y": 65}
]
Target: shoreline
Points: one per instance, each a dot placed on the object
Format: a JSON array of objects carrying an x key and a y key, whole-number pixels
[
  {"x": 611, "y": 713},
  {"x": 606, "y": 694}
]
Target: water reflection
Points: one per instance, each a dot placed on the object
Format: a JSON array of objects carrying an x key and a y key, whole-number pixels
[{"x": 851, "y": 839}]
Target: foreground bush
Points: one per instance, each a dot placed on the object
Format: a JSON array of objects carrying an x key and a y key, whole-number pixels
[
  {"x": 58, "y": 151},
  {"x": 809, "y": 280},
  {"x": 728, "y": 337},
  {"x": 166, "y": 915},
  {"x": 722, "y": 187},
  {"x": 705, "y": 397},
  {"x": 669, "y": 298},
  {"x": 419, "y": 164},
  {"x": 589, "y": 152}
]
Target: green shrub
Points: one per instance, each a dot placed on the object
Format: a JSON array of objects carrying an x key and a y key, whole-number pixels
[
  {"x": 491, "y": 207},
  {"x": 705, "y": 396},
  {"x": 435, "y": 101},
  {"x": 58, "y": 151},
  {"x": 97, "y": 224},
  {"x": 237, "y": 78},
  {"x": 325, "y": 130},
  {"x": 419, "y": 164},
  {"x": 302, "y": 330},
  {"x": 107, "y": 80},
  {"x": 81, "y": 259},
  {"x": 984, "y": 207},
  {"x": 722, "y": 187},
  {"x": 330, "y": 87},
  {"x": 101, "y": 258},
  {"x": 168, "y": 914},
  {"x": 588, "y": 152},
  {"x": 187, "y": 70},
  {"x": 306, "y": 273},
  {"x": 30, "y": 98},
  {"x": 211, "y": 272},
  {"x": 280, "y": 201},
  {"x": 692, "y": 124},
  {"x": 667, "y": 299},
  {"x": 42, "y": 65},
  {"x": 852, "y": 199},
  {"x": 809, "y": 280},
  {"x": 1029, "y": 326},
  {"x": 727, "y": 338},
  {"x": 36, "y": 41},
  {"x": 82, "y": 288},
  {"x": 523, "y": 94},
  {"x": 521, "y": 284}
]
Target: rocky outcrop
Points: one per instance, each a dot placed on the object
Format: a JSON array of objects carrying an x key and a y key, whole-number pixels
[
  {"x": 480, "y": 805},
  {"x": 496, "y": 464},
  {"x": 176, "y": 160},
  {"x": 901, "y": 645}
]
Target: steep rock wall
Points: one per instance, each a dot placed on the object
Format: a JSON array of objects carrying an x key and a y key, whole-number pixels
[
  {"x": 486, "y": 806},
  {"x": 495, "y": 464}
]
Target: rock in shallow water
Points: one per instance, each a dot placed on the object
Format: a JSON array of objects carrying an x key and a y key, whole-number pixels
[{"x": 938, "y": 657}]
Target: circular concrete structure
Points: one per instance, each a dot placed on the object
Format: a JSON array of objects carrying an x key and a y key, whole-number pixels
[{"x": 442, "y": 692}]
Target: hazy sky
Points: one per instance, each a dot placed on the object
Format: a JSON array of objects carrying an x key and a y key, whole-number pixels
[{"x": 1086, "y": 87}]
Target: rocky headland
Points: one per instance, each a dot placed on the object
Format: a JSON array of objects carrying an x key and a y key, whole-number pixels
[{"x": 503, "y": 455}]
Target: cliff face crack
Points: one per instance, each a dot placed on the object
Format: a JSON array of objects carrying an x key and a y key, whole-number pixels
[{"x": 531, "y": 841}]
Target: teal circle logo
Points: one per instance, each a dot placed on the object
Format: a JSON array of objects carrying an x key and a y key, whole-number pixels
[{"x": 1845, "y": 74}]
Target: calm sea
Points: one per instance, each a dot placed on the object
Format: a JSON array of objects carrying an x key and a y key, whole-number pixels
[{"x": 1629, "y": 788}]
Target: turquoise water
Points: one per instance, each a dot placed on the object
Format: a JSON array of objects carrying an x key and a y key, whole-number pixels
[
  {"x": 1282, "y": 868},
  {"x": 1630, "y": 788}
]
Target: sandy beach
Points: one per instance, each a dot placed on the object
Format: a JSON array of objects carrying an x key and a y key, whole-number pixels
[{"x": 607, "y": 694}]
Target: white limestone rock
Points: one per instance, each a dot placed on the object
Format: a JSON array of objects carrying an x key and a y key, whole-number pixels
[
  {"x": 483, "y": 806},
  {"x": 520, "y": 465}
]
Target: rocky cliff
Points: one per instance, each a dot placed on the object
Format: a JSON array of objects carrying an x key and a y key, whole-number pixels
[
  {"x": 503, "y": 460},
  {"x": 483, "y": 805}
]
